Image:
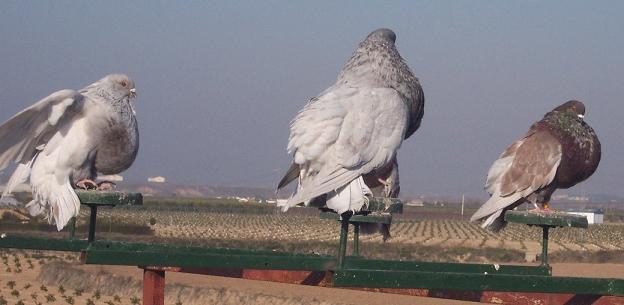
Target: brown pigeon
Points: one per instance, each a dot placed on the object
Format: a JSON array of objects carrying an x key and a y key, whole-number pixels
[
  {"x": 559, "y": 151},
  {"x": 344, "y": 142}
]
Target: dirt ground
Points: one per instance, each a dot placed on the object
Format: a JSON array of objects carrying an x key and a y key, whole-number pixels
[{"x": 28, "y": 286}]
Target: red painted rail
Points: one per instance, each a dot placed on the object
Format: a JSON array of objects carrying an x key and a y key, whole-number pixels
[{"x": 154, "y": 287}]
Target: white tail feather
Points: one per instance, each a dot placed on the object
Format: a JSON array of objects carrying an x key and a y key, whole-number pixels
[
  {"x": 52, "y": 191},
  {"x": 58, "y": 199},
  {"x": 350, "y": 197}
]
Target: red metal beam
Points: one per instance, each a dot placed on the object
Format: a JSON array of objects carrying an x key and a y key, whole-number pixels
[
  {"x": 323, "y": 279},
  {"x": 153, "y": 286}
]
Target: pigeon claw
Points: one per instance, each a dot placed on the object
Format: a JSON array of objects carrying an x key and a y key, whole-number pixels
[
  {"x": 106, "y": 186},
  {"x": 87, "y": 184},
  {"x": 544, "y": 209}
]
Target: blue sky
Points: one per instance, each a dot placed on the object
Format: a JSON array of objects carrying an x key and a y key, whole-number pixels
[{"x": 219, "y": 82}]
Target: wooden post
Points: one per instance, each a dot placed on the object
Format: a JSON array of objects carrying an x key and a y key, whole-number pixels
[
  {"x": 545, "y": 245},
  {"x": 344, "y": 232},
  {"x": 153, "y": 287},
  {"x": 92, "y": 222},
  {"x": 356, "y": 239},
  {"x": 72, "y": 228}
]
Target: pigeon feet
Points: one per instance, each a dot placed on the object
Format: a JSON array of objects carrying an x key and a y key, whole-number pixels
[
  {"x": 106, "y": 186},
  {"x": 544, "y": 209},
  {"x": 87, "y": 184}
]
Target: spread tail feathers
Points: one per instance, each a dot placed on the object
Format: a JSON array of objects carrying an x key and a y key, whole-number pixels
[
  {"x": 59, "y": 200},
  {"x": 52, "y": 193}
]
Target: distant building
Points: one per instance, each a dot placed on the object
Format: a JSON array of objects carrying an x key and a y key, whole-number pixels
[
  {"x": 157, "y": 179},
  {"x": 594, "y": 216},
  {"x": 416, "y": 203},
  {"x": 113, "y": 178},
  {"x": 241, "y": 199}
]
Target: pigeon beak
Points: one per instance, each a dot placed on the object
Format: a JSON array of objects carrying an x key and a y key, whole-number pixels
[
  {"x": 132, "y": 95},
  {"x": 581, "y": 116}
]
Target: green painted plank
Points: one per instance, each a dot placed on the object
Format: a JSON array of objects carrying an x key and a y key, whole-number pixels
[
  {"x": 137, "y": 249},
  {"x": 38, "y": 243},
  {"x": 477, "y": 282},
  {"x": 372, "y": 264},
  {"x": 166, "y": 248},
  {"x": 108, "y": 198},
  {"x": 351, "y": 262},
  {"x": 208, "y": 260},
  {"x": 553, "y": 219}
]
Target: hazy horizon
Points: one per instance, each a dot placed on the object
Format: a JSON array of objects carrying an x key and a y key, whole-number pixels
[{"x": 218, "y": 83}]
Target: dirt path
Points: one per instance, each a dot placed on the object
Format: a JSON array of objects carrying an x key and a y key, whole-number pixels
[{"x": 605, "y": 270}]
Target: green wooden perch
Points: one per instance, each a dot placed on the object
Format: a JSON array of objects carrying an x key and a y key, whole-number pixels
[
  {"x": 546, "y": 220},
  {"x": 377, "y": 210},
  {"x": 94, "y": 199},
  {"x": 312, "y": 269}
]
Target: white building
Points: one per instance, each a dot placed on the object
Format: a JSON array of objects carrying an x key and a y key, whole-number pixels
[
  {"x": 416, "y": 203},
  {"x": 157, "y": 179},
  {"x": 594, "y": 216}
]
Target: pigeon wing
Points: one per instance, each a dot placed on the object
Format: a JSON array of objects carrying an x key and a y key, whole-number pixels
[
  {"x": 343, "y": 134},
  {"x": 23, "y": 134},
  {"x": 526, "y": 166}
]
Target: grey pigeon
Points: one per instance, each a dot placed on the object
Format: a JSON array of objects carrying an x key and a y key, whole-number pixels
[
  {"x": 350, "y": 133},
  {"x": 557, "y": 152},
  {"x": 65, "y": 139}
]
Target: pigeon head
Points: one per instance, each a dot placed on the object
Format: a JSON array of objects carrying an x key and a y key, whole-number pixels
[
  {"x": 382, "y": 35},
  {"x": 112, "y": 87},
  {"x": 119, "y": 85},
  {"x": 572, "y": 106}
]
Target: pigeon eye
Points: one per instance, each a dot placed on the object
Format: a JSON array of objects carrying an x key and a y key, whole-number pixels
[{"x": 124, "y": 83}]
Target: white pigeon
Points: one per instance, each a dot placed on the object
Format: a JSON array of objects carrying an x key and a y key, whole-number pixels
[
  {"x": 65, "y": 139},
  {"x": 350, "y": 133}
]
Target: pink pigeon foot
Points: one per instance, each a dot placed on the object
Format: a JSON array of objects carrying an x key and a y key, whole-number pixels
[
  {"x": 106, "y": 186},
  {"x": 87, "y": 184}
]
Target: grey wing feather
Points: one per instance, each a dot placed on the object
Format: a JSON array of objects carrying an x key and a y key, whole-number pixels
[
  {"x": 495, "y": 203},
  {"x": 291, "y": 174},
  {"x": 343, "y": 134},
  {"x": 22, "y": 134},
  {"x": 322, "y": 183}
]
